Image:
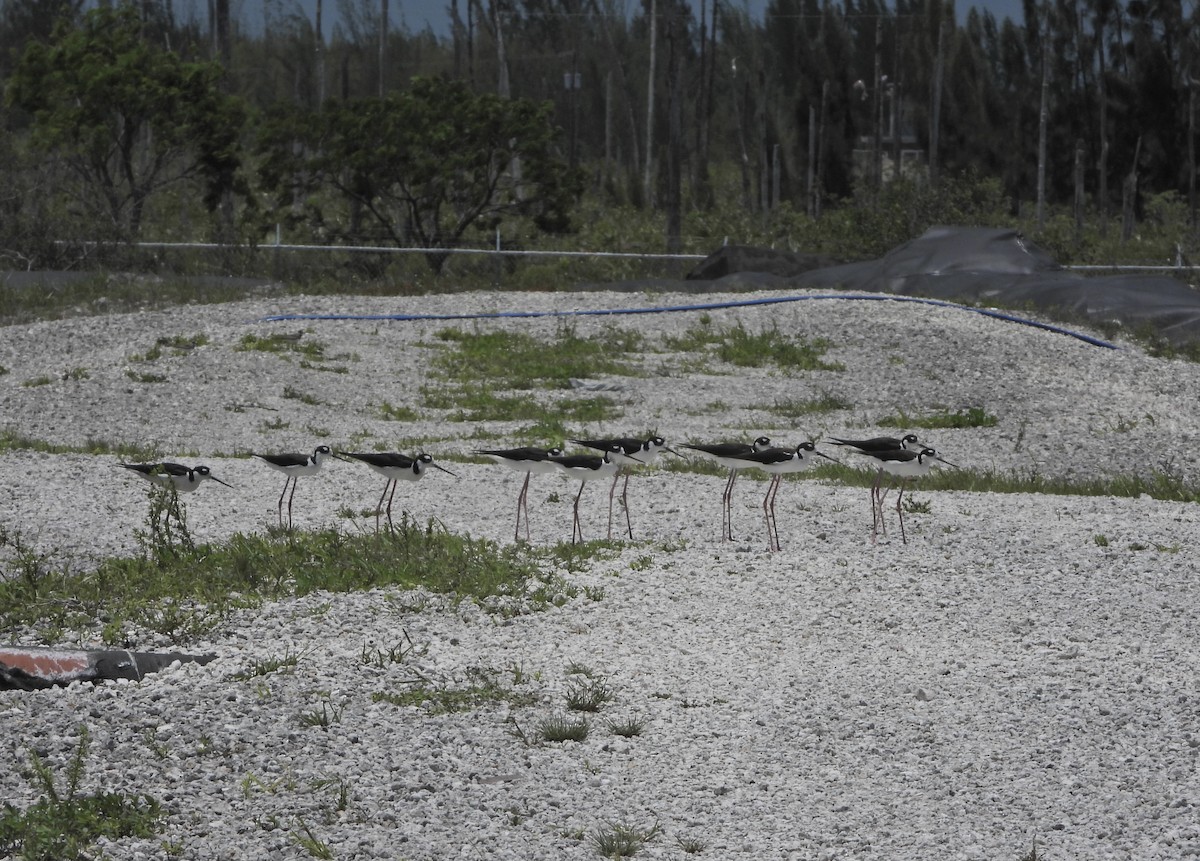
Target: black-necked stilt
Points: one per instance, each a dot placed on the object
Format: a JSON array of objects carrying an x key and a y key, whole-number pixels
[
  {"x": 527, "y": 460},
  {"x": 778, "y": 462},
  {"x": 294, "y": 466},
  {"x": 395, "y": 467},
  {"x": 184, "y": 479},
  {"x": 878, "y": 444},
  {"x": 587, "y": 467},
  {"x": 904, "y": 464},
  {"x": 626, "y": 452},
  {"x": 726, "y": 454}
]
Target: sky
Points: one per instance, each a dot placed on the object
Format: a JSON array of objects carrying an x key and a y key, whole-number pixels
[{"x": 418, "y": 14}]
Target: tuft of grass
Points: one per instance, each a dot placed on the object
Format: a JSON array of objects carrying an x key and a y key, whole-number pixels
[
  {"x": 326, "y": 717},
  {"x": 178, "y": 345},
  {"x": 738, "y": 346},
  {"x": 630, "y": 727},
  {"x": 145, "y": 377},
  {"x": 826, "y": 402},
  {"x": 296, "y": 395},
  {"x": 373, "y": 656},
  {"x": 559, "y": 728},
  {"x": 11, "y": 440},
  {"x": 63, "y": 824},
  {"x": 283, "y": 345},
  {"x": 310, "y": 843},
  {"x": 622, "y": 841},
  {"x": 390, "y": 412},
  {"x": 588, "y": 693},
  {"x": 189, "y": 590},
  {"x": 515, "y": 360},
  {"x": 1157, "y": 484},
  {"x": 971, "y": 417},
  {"x": 691, "y": 845},
  {"x": 478, "y": 403},
  {"x": 34, "y": 382},
  {"x": 265, "y": 666},
  {"x": 487, "y": 690}
]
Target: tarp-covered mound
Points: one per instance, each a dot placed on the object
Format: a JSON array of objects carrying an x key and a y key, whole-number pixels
[{"x": 1000, "y": 267}]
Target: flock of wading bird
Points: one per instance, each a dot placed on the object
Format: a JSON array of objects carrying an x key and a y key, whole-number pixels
[{"x": 903, "y": 457}]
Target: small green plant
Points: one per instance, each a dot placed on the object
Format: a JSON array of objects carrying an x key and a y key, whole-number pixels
[
  {"x": 390, "y": 412},
  {"x": 145, "y": 377},
  {"x": 738, "y": 346},
  {"x": 328, "y": 715},
  {"x": 438, "y": 700},
  {"x": 265, "y": 666},
  {"x": 43, "y": 380},
  {"x": 1100, "y": 540},
  {"x": 63, "y": 824},
  {"x": 586, "y": 694},
  {"x": 559, "y": 728},
  {"x": 283, "y": 345},
  {"x": 166, "y": 531},
  {"x": 77, "y": 374},
  {"x": 622, "y": 841},
  {"x": 794, "y": 408},
  {"x": 310, "y": 843},
  {"x": 691, "y": 845},
  {"x": 374, "y": 656},
  {"x": 627, "y": 727},
  {"x": 916, "y": 506},
  {"x": 296, "y": 395}
]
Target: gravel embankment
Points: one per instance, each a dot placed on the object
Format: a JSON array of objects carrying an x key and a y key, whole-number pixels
[{"x": 1004, "y": 676}]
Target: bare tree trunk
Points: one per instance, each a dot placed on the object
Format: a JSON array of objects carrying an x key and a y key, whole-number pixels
[
  {"x": 320, "y": 56},
  {"x": 1043, "y": 120},
  {"x": 877, "y": 109},
  {"x": 383, "y": 31},
  {"x": 1080, "y": 196},
  {"x": 935, "y": 113},
  {"x": 819, "y": 192},
  {"x": 1102, "y": 187},
  {"x": 627, "y": 91},
  {"x": 738, "y": 99},
  {"x": 1129, "y": 194},
  {"x": 674, "y": 135},
  {"x": 647, "y": 180},
  {"x": 764, "y": 155},
  {"x": 811, "y": 174},
  {"x": 1191, "y": 148}
]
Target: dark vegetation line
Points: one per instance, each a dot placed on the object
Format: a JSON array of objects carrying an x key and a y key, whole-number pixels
[{"x": 838, "y": 128}]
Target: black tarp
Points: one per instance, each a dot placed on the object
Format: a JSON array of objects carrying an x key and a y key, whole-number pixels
[{"x": 986, "y": 266}]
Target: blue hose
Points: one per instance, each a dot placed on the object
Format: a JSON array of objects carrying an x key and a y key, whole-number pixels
[{"x": 702, "y": 306}]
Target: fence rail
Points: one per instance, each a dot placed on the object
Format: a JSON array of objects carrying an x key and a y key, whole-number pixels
[{"x": 1179, "y": 266}]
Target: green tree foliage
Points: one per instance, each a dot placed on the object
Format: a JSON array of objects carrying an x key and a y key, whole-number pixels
[
  {"x": 420, "y": 167},
  {"x": 126, "y": 117}
]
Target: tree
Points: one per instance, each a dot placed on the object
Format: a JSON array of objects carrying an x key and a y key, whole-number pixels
[
  {"x": 128, "y": 118},
  {"x": 424, "y": 166}
]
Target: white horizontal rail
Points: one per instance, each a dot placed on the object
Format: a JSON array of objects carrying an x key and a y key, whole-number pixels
[{"x": 391, "y": 249}]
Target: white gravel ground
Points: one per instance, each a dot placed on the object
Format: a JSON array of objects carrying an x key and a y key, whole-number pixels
[{"x": 1003, "y": 677}]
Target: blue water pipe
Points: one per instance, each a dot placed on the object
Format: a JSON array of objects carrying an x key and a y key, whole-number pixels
[{"x": 699, "y": 306}]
